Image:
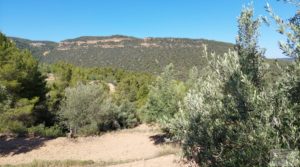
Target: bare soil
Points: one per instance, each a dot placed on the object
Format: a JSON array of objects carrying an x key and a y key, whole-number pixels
[{"x": 140, "y": 146}]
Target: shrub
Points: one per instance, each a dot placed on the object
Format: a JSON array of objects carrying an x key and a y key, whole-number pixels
[
  {"x": 11, "y": 126},
  {"x": 41, "y": 130},
  {"x": 18, "y": 117},
  {"x": 230, "y": 116},
  {"x": 107, "y": 117},
  {"x": 287, "y": 97},
  {"x": 81, "y": 106},
  {"x": 163, "y": 97},
  {"x": 89, "y": 109},
  {"x": 5, "y": 99},
  {"x": 224, "y": 118},
  {"x": 127, "y": 115}
]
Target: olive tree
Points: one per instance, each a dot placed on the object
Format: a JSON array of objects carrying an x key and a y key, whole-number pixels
[
  {"x": 89, "y": 109},
  {"x": 287, "y": 97},
  {"x": 85, "y": 109},
  {"x": 224, "y": 118}
]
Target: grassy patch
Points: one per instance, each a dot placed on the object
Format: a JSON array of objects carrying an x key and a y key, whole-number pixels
[
  {"x": 166, "y": 150},
  {"x": 56, "y": 163}
]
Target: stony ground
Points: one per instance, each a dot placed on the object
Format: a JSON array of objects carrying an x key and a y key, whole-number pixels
[{"x": 141, "y": 146}]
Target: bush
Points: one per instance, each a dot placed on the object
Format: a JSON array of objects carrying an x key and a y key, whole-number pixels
[
  {"x": 286, "y": 103},
  {"x": 5, "y": 99},
  {"x": 81, "y": 106},
  {"x": 18, "y": 117},
  {"x": 10, "y": 126},
  {"x": 225, "y": 118},
  {"x": 41, "y": 130},
  {"x": 89, "y": 109},
  {"x": 127, "y": 115},
  {"x": 163, "y": 98},
  {"x": 231, "y": 117}
]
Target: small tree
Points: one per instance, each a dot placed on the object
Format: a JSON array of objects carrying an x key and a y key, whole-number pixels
[
  {"x": 89, "y": 109},
  {"x": 81, "y": 106},
  {"x": 287, "y": 99},
  {"x": 163, "y": 97},
  {"x": 250, "y": 55},
  {"x": 225, "y": 117}
]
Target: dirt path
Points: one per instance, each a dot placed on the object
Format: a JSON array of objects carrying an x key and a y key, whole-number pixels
[{"x": 140, "y": 146}]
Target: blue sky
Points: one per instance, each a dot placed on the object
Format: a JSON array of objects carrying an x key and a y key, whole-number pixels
[{"x": 57, "y": 20}]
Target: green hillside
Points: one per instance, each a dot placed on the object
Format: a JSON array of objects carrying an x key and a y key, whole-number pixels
[
  {"x": 37, "y": 48},
  {"x": 129, "y": 53}
]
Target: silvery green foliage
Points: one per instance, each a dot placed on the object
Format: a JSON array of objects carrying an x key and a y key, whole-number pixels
[
  {"x": 212, "y": 124},
  {"x": 228, "y": 118},
  {"x": 87, "y": 109},
  {"x": 250, "y": 55},
  {"x": 294, "y": 2},
  {"x": 287, "y": 98},
  {"x": 285, "y": 119},
  {"x": 290, "y": 29},
  {"x": 205, "y": 89},
  {"x": 224, "y": 119},
  {"x": 192, "y": 78}
]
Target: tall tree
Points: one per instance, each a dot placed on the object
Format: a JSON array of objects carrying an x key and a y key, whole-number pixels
[{"x": 25, "y": 85}]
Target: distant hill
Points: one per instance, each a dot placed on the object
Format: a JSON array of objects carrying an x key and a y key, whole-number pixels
[
  {"x": 37, "y": 48},
  {"x": 129, "y": 53},
  {"x": 286, "y": 59}
]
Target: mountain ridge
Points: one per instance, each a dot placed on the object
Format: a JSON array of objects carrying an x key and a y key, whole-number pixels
[{"x": 149, "y": 54}]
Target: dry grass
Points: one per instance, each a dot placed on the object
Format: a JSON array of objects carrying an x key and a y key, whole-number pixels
[
  {"x": 77, "y": 163},
  {"x": 131, "y": 147},
  {"x": 65, "y": 163}
]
